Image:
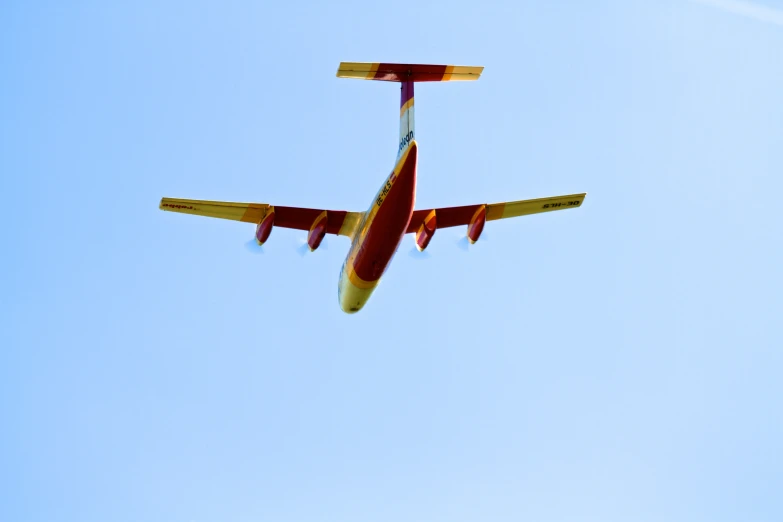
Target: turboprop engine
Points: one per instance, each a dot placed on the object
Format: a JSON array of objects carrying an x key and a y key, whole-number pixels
[
  {"x": 426, "y": 231},
  {"x": 476, "y": 225},
  {"x": 317, "y": 231},
  {"x": 265, "y": 227}
]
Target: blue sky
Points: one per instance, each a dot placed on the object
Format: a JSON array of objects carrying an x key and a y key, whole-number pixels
[{"x": 621, "y": 361}]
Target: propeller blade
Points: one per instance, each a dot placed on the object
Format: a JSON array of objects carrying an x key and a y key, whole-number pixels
[
  {"x": 415, "y": 254},
  {"x": 463, "y": 243},
  {"x": 303, "y": 247},
  {"x": 253, "y": 247}
]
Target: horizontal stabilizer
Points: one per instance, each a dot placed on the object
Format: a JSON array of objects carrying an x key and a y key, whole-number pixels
[{"x": 406, "y": 72}]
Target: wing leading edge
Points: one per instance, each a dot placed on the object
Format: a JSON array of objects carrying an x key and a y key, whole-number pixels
[
  {"x": 339, "y": 222},
  {"x": 457, "y": 216}
]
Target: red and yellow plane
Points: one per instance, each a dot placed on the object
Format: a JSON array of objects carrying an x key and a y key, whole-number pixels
[{"x": 376, "y": 234}]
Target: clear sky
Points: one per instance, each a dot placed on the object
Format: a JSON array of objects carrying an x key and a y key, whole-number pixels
[{"x": 617, "y": 362}]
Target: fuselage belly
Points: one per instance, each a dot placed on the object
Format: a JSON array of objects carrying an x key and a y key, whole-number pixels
[{"x": 380, "y": 233}]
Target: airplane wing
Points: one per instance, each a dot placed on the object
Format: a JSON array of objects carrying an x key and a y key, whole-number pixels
[
  {"x": 339, "y": 222},
  {"x": 456, "y": 216}
]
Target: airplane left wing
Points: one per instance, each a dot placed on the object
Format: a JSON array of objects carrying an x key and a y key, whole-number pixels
[{"x": 338, "y": 222}]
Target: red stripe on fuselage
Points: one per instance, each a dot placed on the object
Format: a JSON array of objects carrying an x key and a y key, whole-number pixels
[
  {"x": 406, "y": 94},
  {"x": 383, "y": 236}
]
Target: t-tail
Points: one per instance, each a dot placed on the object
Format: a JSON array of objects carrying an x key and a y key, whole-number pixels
[{"x": 407, "y": 75}]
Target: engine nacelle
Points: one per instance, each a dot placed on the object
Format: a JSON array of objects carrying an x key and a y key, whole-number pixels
[
  {"x": 317, "y": 231},
  {"x": 476, "y": 225},
  {"x": 426, "y": 231},
  {"x": 265, "y": 227}
]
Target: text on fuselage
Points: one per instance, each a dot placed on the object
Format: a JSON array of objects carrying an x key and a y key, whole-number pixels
[
  {"x": 386, "y": 188},
  {"x": 405, "y": 140}
]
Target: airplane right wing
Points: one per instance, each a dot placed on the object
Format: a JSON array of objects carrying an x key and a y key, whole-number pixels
[{"x": 456, "y": 216}]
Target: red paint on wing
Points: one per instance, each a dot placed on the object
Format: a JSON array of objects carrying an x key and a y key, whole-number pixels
[
  {"x": 302, "y": 218},
  {"x": 388, "y": 228},
  {"x": 447, "y": 217}
]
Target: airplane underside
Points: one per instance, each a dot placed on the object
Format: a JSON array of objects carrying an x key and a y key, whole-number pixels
[
  {"x": 380, "y": 234},
  {"x": 376, "y": 234}
]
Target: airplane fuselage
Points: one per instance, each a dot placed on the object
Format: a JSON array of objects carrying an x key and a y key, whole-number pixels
[{"x": 379, "y": 233}]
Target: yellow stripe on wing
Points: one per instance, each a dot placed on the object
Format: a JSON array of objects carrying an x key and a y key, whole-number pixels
[
  {"x": 247, "y": 212},
  {"x": 533, "y": 206}
]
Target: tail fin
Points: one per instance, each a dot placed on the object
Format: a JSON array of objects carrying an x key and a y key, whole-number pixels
[
  {"x": 407, "y": 122},
  {"x": 407, "y": 74}
]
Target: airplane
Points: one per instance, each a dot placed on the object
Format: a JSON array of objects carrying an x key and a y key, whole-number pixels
[{"x": 377, "y": 233}]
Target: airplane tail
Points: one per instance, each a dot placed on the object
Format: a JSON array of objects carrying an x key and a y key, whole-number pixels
[{"x": 407, "y": 75}]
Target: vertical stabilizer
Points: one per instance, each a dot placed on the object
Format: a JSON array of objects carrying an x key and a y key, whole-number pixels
[
  {"x": 407, "y": 124},
  {"x": 407, "y": 74}
]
